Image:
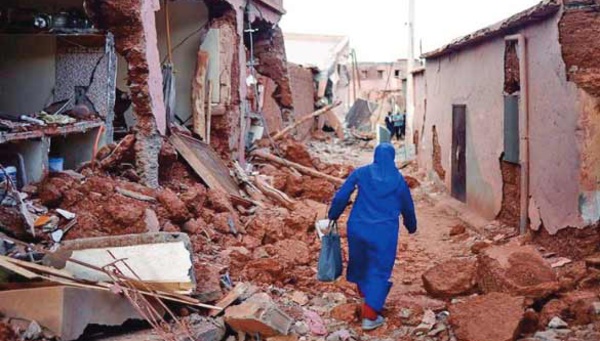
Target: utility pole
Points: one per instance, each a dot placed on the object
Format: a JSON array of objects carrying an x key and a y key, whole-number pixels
[{"x": 410, "y": 65}]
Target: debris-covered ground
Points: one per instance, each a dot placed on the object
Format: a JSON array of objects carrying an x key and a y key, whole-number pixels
[{"x": 456, "y": 279}]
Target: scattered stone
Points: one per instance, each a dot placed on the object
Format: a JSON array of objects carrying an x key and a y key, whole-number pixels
[
  {"x": 176, "y": 208},
  {"x": 301, "y": 328},
  {"x": 335, "y": 297},
  {"x": 341, "y": 335},
  {"x": 452, "y": 278},
  {"x": 457, "y": 229},
  {"x": 472, "y": 319},
  {"x": 300, "y": 297},
  {"x": 405, "y": 313},
  {"x": 427, "y": 323},
  {"x": 258, "y": 315},
  {"x": 557, "y": 323},
  {"x": 348, "y": 312},
  {"x": 499, "y": 238},
  {"x": 478, "y": 247},
  {"x": 551, "y": 335},
  {"x": 515, "y": 269},
  {"x": 576, "y": 307},
  {"x": 151, "y": 221},
  {"x": 34, "y": 331},
  {"x": 315, "y": 323},
  {"x": 560, "y": 262},
  {"x": 203, "y": 328},
  {"x": 208, "y": 286},
  {"x": 593, "y": 262}
]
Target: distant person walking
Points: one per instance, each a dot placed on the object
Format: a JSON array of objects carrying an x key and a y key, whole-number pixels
[
  {"x": 398, "y": 120},
  {"x": 373, "y": 228},
  {"x": 389, "y": 123}
]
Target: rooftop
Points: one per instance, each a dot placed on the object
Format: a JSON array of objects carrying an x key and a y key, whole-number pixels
[{"x": 537, "y": 13}]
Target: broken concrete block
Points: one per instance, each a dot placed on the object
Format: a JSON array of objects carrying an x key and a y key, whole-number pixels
[
  {"x": 519, "y": 270},
  {"x": 348, "y": 312},
  {"x": 258, "y": 314},
  {"x": 557, "y": 323},
  {"x": 170, "y": 269},
  {"x": 451, "y": 278},
  {"x": 67, "y": 311},
  {"x": 205, "y": 329},
  {"x": 492, "y": 317}
]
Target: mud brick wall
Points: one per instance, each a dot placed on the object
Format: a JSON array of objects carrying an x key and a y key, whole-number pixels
[{"x": 303, "y": 90}]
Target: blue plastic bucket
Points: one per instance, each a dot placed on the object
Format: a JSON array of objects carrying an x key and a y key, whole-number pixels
[{"x": 55, "y": 164}]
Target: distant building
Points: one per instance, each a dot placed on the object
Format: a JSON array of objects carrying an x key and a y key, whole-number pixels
[{"x": 508, "y": 117}]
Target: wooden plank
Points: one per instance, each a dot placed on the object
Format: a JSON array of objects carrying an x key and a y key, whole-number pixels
[
  {"x": 199, "y": 95},
  {"x": 231, "y": 297},
  {"x": 18, "y": 270},
  {"x": 317, "y": 113},
  {"x": 300, "y": 168},
  {"x": 209, "y": 112},
  {"x": 206, "y": 163}
]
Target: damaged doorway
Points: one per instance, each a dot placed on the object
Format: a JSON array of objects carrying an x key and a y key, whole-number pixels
[{"x": 459, "y": 145}]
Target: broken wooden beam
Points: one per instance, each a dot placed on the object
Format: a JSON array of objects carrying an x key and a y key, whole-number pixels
[
  {"x": 273, "y": 193},
  {"x": 319, "y": 112},
  {"x": 199, "y": 95},
  {"x": 134, "y": 195},
  {"x": 300, "y": 168}
]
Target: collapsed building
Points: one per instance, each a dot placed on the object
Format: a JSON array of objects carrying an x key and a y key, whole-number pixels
[
  {"x": 516, "y": 139},
  {"x": 137, "y": 66},
  {"x": 327, "y": 57}
]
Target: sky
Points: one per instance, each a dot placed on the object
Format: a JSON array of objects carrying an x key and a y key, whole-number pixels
[{"x": 377, "y": 28}]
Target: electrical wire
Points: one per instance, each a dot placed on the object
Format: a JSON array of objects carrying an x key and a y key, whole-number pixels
[{"x": 188, "y": 37}]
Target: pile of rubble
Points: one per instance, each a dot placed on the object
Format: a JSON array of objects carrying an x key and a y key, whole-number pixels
[{"x": 87, "y": 231}]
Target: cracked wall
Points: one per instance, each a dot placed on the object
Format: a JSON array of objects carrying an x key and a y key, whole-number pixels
[
  {"x": 437, "y": 154},
  {"x": 133, "y": 24},
  {"x": 579, "y": 29}
]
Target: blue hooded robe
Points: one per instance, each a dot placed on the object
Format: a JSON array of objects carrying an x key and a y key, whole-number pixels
[{"x": 373, "y": 226}]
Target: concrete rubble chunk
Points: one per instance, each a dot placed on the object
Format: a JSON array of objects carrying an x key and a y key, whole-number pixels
[
  {"x": 205, "y": 329},
  {"x": 348, "y": 312},
  {"x": 557, "y": 323},
  {"x": 258, "y": 315},
  {"x": 451, "y": 278},
  {"x": 515, "y": 269},
  {"x": 471, "y": 320},
  {"x": 170, "y": 270},
  {"x": 427, "y": 323},
  {"x": 59, "y": 309}
]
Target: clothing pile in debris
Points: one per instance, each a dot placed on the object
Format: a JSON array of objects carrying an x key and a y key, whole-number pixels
[{"x": 98, "y": 248}]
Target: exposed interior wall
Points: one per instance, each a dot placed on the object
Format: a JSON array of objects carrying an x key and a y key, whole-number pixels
[
  {"x": 554, "y": 114},
  {"x": 27, "y": 72},
  {"x": 579, "y": 31},
  {"x": 187, "y": 20},
  {"x": 303, "y": 92}
]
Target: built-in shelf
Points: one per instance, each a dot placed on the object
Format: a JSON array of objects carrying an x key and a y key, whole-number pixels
[{"x": 50, "y": 131}]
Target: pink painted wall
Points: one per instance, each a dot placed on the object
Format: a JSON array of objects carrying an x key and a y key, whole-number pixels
[{"x": 475, "y": 77}]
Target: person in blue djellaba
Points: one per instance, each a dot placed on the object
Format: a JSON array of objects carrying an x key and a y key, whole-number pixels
[{"x": 373, "y": 228}]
